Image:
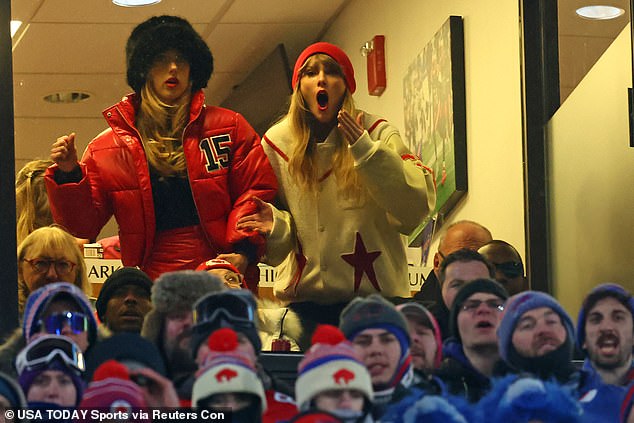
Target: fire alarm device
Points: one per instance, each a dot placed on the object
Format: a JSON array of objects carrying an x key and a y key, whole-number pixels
[{"x": 375, "y": 54}]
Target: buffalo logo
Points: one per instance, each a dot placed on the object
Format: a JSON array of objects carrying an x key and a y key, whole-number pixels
[
  {"x": 225, "y": 375},
  {"x": 343, "y": 377}
]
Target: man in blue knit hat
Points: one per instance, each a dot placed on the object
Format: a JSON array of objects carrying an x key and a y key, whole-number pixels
[
  {"x": 605, "y": 332},
  {"x": 537, "y": 336}
]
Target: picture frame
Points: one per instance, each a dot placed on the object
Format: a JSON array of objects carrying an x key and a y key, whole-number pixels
[{"x": 435, "y": 119}]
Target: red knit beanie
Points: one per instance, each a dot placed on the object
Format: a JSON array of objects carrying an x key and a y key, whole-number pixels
[{"x": 330, "y": 50}]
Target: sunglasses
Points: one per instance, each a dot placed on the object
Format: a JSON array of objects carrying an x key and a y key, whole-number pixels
[
  {"x": 236, "y": 307},
  {"x": 41, "y": 352},
  {"x": 55, "y": 323},
  {"x": 510, "y": 269}
]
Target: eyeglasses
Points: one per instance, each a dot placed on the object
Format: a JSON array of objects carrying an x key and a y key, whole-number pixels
[
  {"x": 62, "y": 267},
  {"x": 510, "y": 269},
  {"x": 472, "y": 305},
  {"x": 43, "y": 350},
  {"x": 236, "y": 306},
  {"x": 55, "y": 323}
]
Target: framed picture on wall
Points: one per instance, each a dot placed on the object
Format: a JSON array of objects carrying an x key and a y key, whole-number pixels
[{"x": 435, "y": 118}]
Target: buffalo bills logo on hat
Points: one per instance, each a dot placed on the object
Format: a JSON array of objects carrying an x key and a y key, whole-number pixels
[
  {"x": 343, "y": 377},
  {"x": 225, "y": 375}
]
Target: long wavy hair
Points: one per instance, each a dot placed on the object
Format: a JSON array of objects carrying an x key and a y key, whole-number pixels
[
  {"x": 161, "y": 127},
  {"x": 31, "y": 201},
  {"x": 302, "y": 164},
  {"x": 43, "y": 241}
]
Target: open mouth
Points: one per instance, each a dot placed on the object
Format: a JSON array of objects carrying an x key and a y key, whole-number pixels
[
  {"x": 322, "y": 100},
  {"x": 484, "y": 325},
  {"x": 172, "y": 82},
  {"x": 608, "y": 343}
]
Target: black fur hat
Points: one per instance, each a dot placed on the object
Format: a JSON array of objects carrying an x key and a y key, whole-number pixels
[{"x": 159, "y": 34}]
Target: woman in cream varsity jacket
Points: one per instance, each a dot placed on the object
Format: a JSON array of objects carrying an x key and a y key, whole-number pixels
[{"x": 349, "y": 189}]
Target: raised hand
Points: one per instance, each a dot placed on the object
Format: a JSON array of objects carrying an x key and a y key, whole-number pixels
[
  {"x": 261, "y": 221},
  {"x": 351, "y": 128},
  {"x": 64, "y": 153}
]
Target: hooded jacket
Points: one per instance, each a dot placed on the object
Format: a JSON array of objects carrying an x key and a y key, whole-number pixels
[{"x": 225, "y": 167}]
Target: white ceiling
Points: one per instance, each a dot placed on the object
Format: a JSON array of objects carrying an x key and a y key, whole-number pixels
[{"x": 79, "y": 45}]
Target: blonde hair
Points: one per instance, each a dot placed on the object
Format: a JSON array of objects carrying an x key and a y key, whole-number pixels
[
  {"x": 161, "y": 127},
  {"x": 42, "y": 241},
  {"x": 302, "y": 164},
  {"x": 31, "y": 202}
]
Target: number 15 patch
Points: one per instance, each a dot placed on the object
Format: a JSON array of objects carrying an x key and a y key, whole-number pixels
[{"x": 216, "y": 150}]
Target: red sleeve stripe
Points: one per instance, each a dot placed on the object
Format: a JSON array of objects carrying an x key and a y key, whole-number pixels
[
  {"x": 275, "y": 148},
  {"x": 375, "y": 124}
]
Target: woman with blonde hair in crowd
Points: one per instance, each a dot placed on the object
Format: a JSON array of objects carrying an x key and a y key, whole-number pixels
[
  {"x": 47, "y": 255},
  {"x": 31, "y": 201}
]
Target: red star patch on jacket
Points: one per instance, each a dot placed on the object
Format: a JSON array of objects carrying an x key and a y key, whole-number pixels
[{"x": 362, "y": 261}]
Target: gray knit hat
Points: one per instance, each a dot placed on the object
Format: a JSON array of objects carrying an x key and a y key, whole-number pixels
[
  {"x": 176, "y": 291},
  {"x": 372, "y": 311}
]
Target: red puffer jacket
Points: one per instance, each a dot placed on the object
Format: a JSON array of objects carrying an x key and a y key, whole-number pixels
[{"x": 225, "y": 164}]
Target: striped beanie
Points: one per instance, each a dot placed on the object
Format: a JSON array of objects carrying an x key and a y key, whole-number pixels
[
  {"x": 225, "y": 369},
  {"x": 41, "y": 298},
  {"x": 330, "y": 364},
  {"x": 111, "y": 390}
]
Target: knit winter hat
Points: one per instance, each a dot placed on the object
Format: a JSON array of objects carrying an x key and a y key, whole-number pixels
[
  {"x": 489, "y": 286},
  {"x": 523, "y": 399},
  {"x": 127, "y": 348},
  {"x": 330, "y": 364},
  {"x": 40, "y": 299},
  {"x": 519, "y": 304},
  {"x": 420, "y": 313},
  {"x": 375, "y": 312},
  {"x": 46, "y": 346},
  {"x": 231, "y": 308},
  {"x": 111, "y": 390},
  {"x": 120, "y": 277},
  {"x": 598, "y": 293},
  {"x": 333, "y": 51},
  {"x": 159, "y": 34},
  {"x": 225, "y": 369},
  {"x": 173, "y": 292}
]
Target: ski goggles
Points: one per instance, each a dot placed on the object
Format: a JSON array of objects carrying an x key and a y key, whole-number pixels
[
  {"x": 55, "y": 323},
  {"x": 235, "y": 306},
  {"x": 41, "y": 352}
]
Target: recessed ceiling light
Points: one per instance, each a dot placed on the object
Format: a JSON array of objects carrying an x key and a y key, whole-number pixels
[
  {"x": 14, "y": 27},
  {"x": 135, "y": 3},
  {"x": 600, "y": 12},
  {"x": 67, "y": 97}
]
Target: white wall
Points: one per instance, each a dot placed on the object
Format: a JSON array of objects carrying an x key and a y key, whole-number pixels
[
  {"x": 492, "y": 61},
  {"x": 592, "y": 181}
]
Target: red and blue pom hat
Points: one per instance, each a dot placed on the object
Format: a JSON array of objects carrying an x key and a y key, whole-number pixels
[
  {"x": 111, "y": 390},
  {"x": 226, "y": 369},
  {"x": 330, "y": 364},
  {"x": 337, "y": 54}
]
